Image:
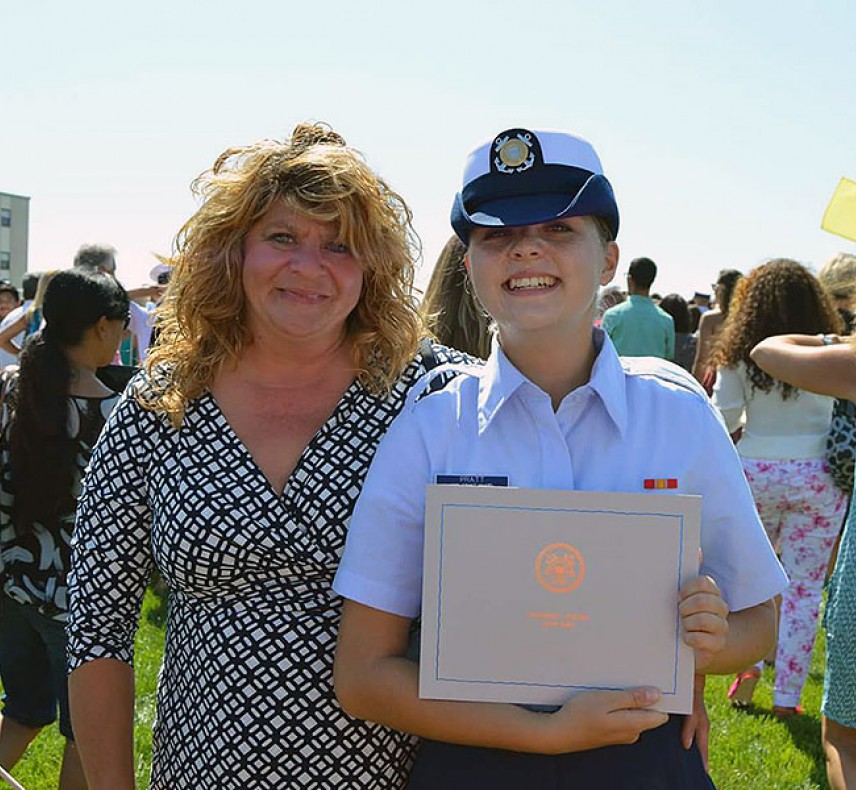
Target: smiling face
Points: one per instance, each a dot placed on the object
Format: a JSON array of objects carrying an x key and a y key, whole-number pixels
[
  {"x": 300, "y": 283},
  {"x": 541, "y": 278}
]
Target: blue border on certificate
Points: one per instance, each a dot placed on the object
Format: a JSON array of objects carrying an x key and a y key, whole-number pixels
[{"x": 439, "y": 677}]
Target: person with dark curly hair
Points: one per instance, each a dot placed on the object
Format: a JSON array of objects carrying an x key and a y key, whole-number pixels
[
  {"x": 288, "y": 342},
  {"x": 54, "y": 410},
  {"x": 783, "y": 449}
]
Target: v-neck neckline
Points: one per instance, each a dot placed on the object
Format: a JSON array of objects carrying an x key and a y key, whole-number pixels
[{"x": 340, "y": 414}]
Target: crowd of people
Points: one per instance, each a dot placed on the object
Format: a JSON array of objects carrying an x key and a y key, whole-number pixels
[{"x": 281, "y": 405}]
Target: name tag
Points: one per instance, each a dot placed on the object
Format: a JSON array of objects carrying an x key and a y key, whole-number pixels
[{"x": 472, "y": 480}]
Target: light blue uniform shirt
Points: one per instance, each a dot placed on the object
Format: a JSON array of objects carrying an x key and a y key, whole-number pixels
[
  {"x": 639, "y": 328},
  {"x": 634, "y": 420}
]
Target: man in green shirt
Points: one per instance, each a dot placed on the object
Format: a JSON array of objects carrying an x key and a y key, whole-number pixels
[{"x": 637, "y": 327}]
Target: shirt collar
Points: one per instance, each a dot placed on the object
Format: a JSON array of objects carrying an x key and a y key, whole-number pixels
[
  {"x": 499, "y": 380},
  {"x": 608, "y": 380}
]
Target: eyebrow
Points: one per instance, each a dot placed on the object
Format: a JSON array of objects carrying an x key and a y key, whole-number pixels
[
  {"x": 289, "y": 227},
  {"x": 278, "y": 224}
]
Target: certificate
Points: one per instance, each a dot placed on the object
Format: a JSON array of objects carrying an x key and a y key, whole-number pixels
[{"x": 530, "y": 596}]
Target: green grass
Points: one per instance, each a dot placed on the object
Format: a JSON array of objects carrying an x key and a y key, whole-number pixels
[
  {"x": 39, "y": 767},
  {"x": 749, "y": 749}
]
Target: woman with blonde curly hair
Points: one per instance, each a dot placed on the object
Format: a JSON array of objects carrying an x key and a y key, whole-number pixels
[
  {"x": 783, "y": 453},
  {"x": 288, "y": 343},
  {"x": 838, "y": 276}
]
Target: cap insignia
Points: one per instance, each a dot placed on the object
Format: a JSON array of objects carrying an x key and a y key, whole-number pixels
[{"x": 513, "y": 154}]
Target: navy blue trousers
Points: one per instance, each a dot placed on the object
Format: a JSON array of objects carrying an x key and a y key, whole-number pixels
[{"x": 657, "y": 761}]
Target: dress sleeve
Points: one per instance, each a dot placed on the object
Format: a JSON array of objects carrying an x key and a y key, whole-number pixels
[{"x": 111, "y": 551}]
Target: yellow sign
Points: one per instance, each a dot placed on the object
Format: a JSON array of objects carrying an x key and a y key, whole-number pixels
[{"x": 840, "y": 214}]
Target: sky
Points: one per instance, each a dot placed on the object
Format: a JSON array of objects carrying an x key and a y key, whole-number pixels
[{"x": 724, "y": 127}]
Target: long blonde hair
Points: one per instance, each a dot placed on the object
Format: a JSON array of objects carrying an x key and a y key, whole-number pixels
[
  {"x": 450, "y": 307},
  {"x": 202, "y": 317},
  {"x": 35, "y": 307}
]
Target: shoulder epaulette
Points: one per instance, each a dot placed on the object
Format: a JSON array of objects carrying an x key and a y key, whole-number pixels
[{"x": 663, "y": 370}]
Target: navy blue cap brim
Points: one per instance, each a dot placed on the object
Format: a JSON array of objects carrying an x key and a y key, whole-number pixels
[
  {"x": 594, "y": 198},
  {"x": 521, "y": 210}
]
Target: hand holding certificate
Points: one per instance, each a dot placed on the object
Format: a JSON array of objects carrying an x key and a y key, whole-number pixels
[{"x": 532, "y": 596}]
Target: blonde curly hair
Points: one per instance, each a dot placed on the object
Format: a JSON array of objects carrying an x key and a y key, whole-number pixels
[
  {"x": 838, "y": 276},
  {"x": 202, "y": 319}
]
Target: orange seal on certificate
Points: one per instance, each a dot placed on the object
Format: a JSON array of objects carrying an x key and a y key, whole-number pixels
[{"x": 560, "y": 567}]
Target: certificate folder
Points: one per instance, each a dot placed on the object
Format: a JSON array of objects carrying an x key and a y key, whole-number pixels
[{"x": 530, "y": 596}]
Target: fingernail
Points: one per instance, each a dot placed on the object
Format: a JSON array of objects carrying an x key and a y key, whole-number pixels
[{"x": 651, "y": 695}]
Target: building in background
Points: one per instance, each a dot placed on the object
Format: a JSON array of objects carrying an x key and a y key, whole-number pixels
[{"x": 14, "y": 232}]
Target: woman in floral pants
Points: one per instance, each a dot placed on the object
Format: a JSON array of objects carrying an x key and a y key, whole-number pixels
[
  {"x": 802, "y": 510},
  {"x": 783, "y": 449}
]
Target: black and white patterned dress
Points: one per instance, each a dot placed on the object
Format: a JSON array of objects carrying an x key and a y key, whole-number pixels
[
  {"x": 35, "y": 563},
  {"x": 245, "y": 696}
]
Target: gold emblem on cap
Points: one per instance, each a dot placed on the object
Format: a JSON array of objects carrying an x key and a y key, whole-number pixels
[{"x": 514, "y": 153}]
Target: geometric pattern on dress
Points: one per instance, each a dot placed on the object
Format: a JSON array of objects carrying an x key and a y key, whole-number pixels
[
  {"x": 245, "y": 693},
  {"x": 839, "y": 689}
]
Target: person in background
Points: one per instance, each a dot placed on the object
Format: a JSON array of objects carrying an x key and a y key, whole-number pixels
[
  {"x": 450, "y": 309},
  {"x": 28, "y": 321},
  {"x": 701, "y": 301},
  {"x": 288, "y": 342},
  {"x": 29, "y": 286},
  {"x": 637, "y": 327},
  {"x": 53, "y": 410},
  {"x": 96, "y": 257},
  {"x": 783, "y": 451},
  {"x": 102, "y": 257},
  {"x": 710, "y": 325},
  {"x": 685, "y": 341},
  {"x": 838, "y": 276},
  {"x": 606, "y": 298},
  {"x": 820, "y": 364},
  {"x": 143, "y": 319},
  {"x": 553, "y": 407},
  {"x": 695, "y": 318},
  {"x": 9, "y": 298},
  {"x": 161, "y": 274},
  {"x": 9, "y": 302}
]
